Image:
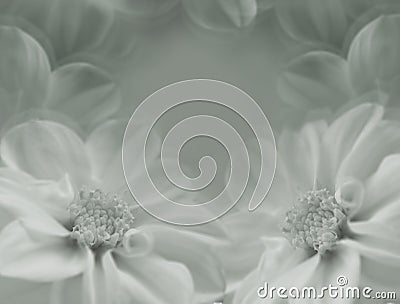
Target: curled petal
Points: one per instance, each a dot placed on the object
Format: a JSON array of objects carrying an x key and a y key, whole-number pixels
[
  {"x": 136, "y": 243},
  {"x": 350, "y": 195}
]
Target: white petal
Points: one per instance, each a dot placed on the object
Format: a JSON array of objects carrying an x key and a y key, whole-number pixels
[
  {"x": 375, "y": 241},
  {"x": 380, "y": 142},
  {"x": 24, "y": 72},
  {"x": 317, "y": 78},
  {"x": 344, "y": 132},
  {"x": 191, "y": 250},
  {"x": 37, "y": 257},
  {"x": 245, "y": 231},
  {"x": 374, "y": 54},
  {"x": 300, "y": 154},
  {"x": 53, "y": 197},
  {"x": 314, "y": 20},
  {"x": 101, "y": 283},
  {"x": 46, "y": 150},
  {"x": 83, "y": 92},
  {"x": 278, "y": 258},
  {"x": 26, "y": 198},
  {"x": 107, "y": 165},
  {"x": 19, "y": 206},
  {"x": 343, "y": 261},
  {"x": 136, "y": 243},
  {"x": 155, "y": 280},
  {"x": 382, "y": 190}
]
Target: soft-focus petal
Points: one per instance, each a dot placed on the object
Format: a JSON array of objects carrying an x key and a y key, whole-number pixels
[
  {"x": 104, "y": 146},
  {"x": 221, "y": 15},
  {"x": 101, "y": 280},
  {"x": 301, "y": 152},
  {"x": 343, "y": 261},
  {"x": 374, "y": 58},
  {"x": 152, "y": 279},
  {"x": 379, "y": 247},
  {"x": 191, "y": 249},
  {"x": 376, "y": 241},
  {"x": 344, "y": 132},
  {"x": 76, "y": 26},
  {"x": 53, "y": 197},
  {"x": 24, "y": 72},
  {"x": 36, "y": 256},
  {"x": 21, "y": 203},
  {"x": 356, "y": 8},
  {"x": 245, "y": 230},
  {"x": 382, "y": 189},
  {"x": 145, "y": 8},
  {"x": 316, "y": 79},
  {"x": 83, "y": 92},
  {"x": 381, "y": 141},
  {"x": 314, "y": 20},
  {"x": 46, "y": 150},
  {"x": 17, "y": 291}
]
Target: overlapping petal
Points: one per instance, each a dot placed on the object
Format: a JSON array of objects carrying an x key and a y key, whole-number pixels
[
  {"x": 222, "y": 15},
  {"x": 314, "y": 21},
  {"x": 24, "y": 252},
  {"x": 84, "y": 93},
  {"x": 317, "y": 78},
  {"x": 46, "y": 150},
  {"x": 374, "y": 54},
  {"x": 24, "y": 72}
]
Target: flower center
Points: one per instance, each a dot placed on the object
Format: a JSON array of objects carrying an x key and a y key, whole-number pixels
[
  {"x": 314, "y": 222},
  {"x": 99, "y": 220}
]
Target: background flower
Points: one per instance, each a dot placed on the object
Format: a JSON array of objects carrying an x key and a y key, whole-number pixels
[
  {"x": 225, "y": 16},
  {"x": 76, "y": 93},
  {"x": 87, "y": 28},
  {"x": 322, "y": 23},
  {"x": 323, "y": 79}
]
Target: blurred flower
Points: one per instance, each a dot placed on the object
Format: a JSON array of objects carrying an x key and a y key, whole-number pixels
[
  {"x": 77, "y": 93},
  {"x": 333, "y": 209},
  {"x": 225, "y": 15},
  {"x": 320, "y": 22},
  {"x": 323, "y": 79},
  {"x": 92, "y": 28},
  {"x": 77, "y": 229}
]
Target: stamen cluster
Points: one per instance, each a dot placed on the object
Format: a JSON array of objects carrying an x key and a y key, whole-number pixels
[
  {"x": 314, "y": 222},
  {"x": 99, "y": 219}
]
